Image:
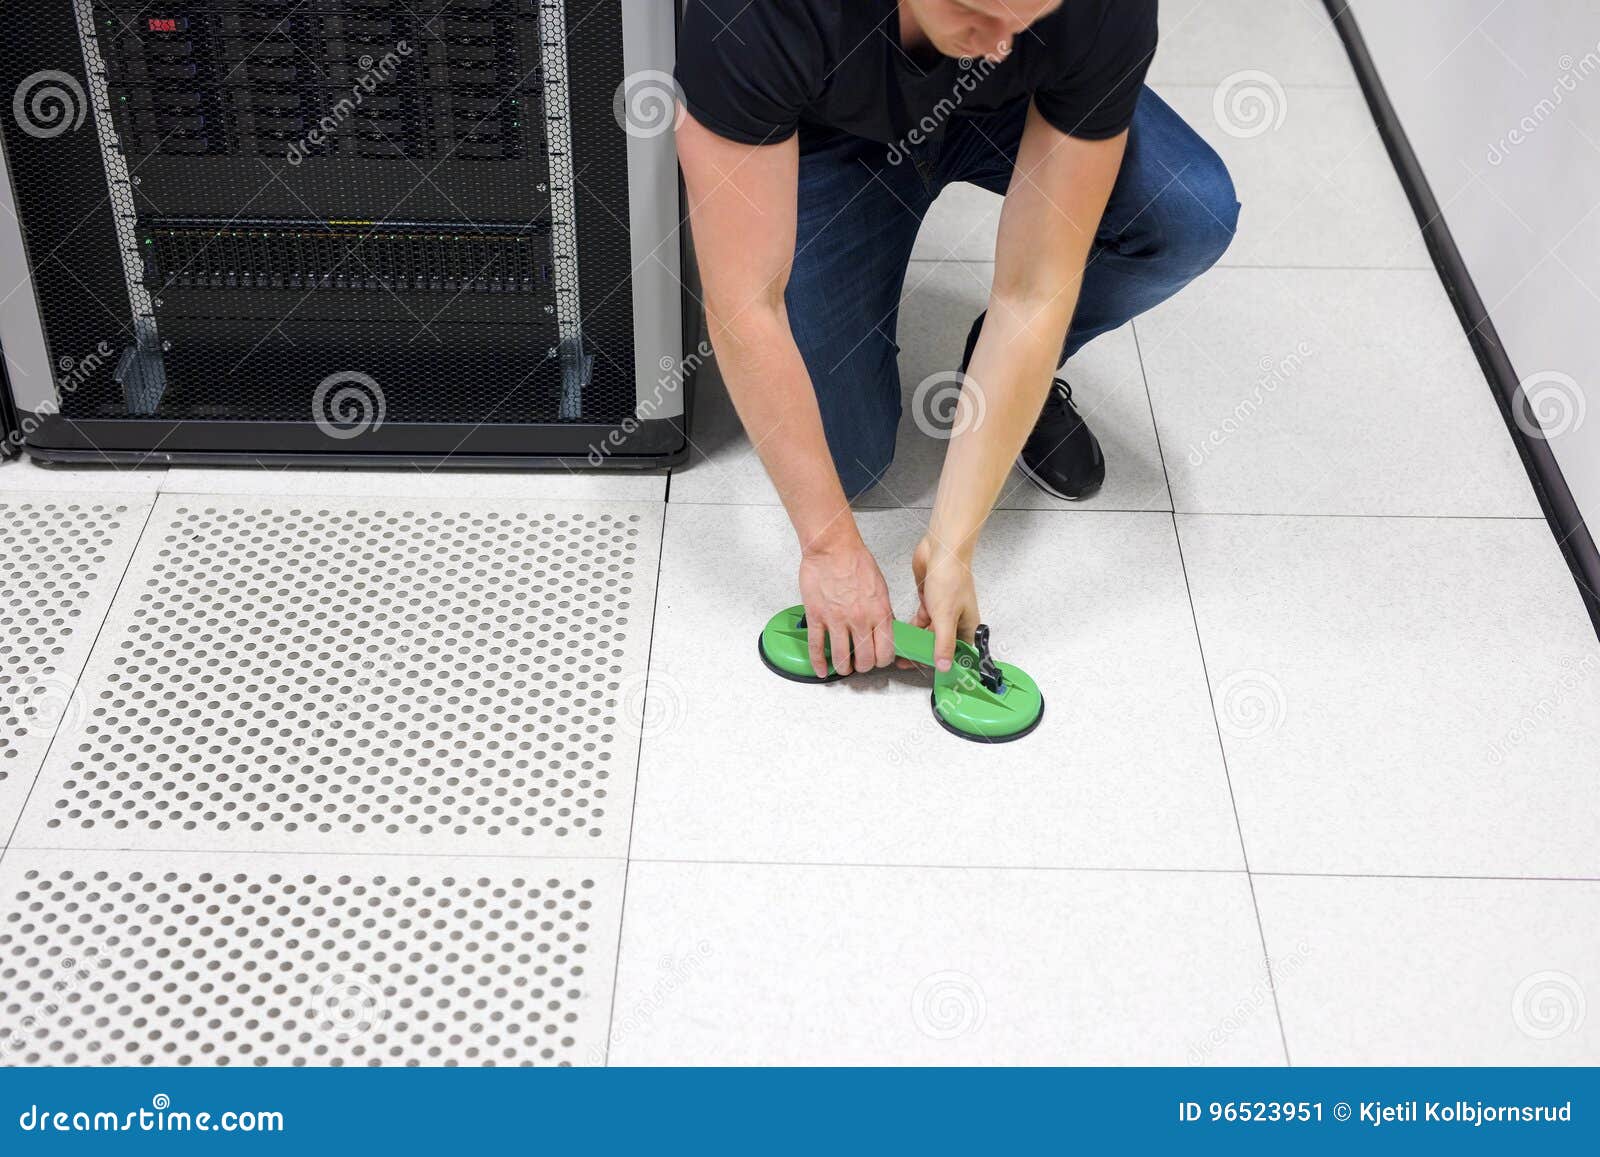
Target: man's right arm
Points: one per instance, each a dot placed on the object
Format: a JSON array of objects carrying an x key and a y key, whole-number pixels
[{"x": 742, "y": 206}]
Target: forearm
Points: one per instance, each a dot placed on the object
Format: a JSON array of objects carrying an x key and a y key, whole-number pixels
[
  {"x": 771, "y": 390},
  {"x": 1057, "y": 195},
  {"x": 1007, "y": 380}
]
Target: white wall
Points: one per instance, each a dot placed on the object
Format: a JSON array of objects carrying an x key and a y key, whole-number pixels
[{"x": 1501, "y": 101}]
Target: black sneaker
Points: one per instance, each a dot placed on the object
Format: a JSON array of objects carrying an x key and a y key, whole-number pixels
[{"x": 1062, "y": 456}]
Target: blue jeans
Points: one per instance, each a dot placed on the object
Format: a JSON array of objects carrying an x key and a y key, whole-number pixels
[{"x": 1171, "y": 214}]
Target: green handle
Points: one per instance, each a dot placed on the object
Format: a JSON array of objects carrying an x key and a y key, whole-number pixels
[
  {"x": 1008, "y": 707},
  {"x": 788, "y": 633},
  {"x": 916, "y": 644}
]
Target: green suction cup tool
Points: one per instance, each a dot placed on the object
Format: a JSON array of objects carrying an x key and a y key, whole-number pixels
[{"x": 978, "y": 698}]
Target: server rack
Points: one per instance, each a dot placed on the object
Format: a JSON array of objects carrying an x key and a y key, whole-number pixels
[
  {"x": 10, "y": 426},
  {"x": 365, "y": 230}
]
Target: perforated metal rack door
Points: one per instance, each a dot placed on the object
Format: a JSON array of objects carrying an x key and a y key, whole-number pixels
[
  {"x": 226, "y": 205},
  {"x": 10, "y": 425}
]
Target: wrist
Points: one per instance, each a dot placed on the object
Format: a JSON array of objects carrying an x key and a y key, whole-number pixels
[
  {"x": 941, "y": 545},
  {"x": 837, "y": 536}
]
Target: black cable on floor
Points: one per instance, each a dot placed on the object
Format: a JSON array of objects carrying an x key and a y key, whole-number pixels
[{"x": 1544, "y": 472}]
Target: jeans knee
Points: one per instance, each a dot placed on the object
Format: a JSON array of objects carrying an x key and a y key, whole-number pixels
[
  {"x": 859, "y": 474},
  {"x": 1203, "y": 213}
]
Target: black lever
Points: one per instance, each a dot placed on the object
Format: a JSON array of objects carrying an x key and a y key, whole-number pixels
[{"x": 988, "y": 674}]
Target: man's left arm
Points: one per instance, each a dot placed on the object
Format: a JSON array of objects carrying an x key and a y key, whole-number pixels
[{"x": 1058, "y": 193}]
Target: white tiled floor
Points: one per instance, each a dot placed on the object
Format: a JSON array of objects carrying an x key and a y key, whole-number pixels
[
  {"x": 1435, "y": 972},
  {"x": 1125, "y": 772},
  {"x": 777, "y": 963},
  {"x": 1281, "y": 391},
  {"x": 1317, "y": 780}
]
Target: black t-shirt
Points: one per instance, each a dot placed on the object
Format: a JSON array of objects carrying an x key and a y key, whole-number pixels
[{"x": 757, "y": 70}]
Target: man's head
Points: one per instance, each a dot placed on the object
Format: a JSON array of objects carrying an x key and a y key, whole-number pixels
[{"x": 977, "y": 28}]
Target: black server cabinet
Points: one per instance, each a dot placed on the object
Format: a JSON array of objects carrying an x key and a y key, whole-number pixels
[
  {"x": 10, "y": 425},
  {"x": 371, "y": 230}
]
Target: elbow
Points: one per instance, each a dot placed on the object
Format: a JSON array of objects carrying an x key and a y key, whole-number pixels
[
  {"x": 1035, "y": 305},
  {"x": 733, "y": 315}
]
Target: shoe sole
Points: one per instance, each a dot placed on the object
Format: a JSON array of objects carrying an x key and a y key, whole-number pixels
[{"x": 1051, "y": 490}]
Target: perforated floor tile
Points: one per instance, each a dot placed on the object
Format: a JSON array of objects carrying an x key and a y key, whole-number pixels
[
  {"x": 61, "y": 556},
  {"x": 551, "y": 485},
  {"x": 364, "y": 675},
  {"x": 180, "y": 959}
]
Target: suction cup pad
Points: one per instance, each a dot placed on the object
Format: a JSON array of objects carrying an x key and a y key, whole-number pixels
[{"x": 965, "y": 707}]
